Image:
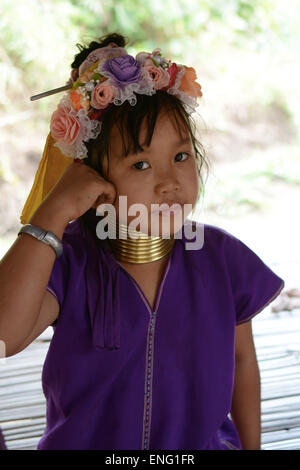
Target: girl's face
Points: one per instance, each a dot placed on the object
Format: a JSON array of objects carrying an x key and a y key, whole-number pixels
[{"x": 165, "y": 173}]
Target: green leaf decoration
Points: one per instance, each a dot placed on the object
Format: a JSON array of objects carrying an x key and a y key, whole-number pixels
[
  {"x": 78, "y": 84},
  {"x": 96, "y": 76}
]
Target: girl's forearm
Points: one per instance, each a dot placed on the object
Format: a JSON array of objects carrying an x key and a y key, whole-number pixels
[
  {"x": 24, "y": 274},
  {"x": 246, "y": 410}
]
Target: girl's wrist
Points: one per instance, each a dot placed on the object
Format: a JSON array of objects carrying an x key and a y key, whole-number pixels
[{"x": 49, "y": 221}]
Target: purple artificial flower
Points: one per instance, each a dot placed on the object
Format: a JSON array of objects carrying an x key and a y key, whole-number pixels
[{"x": 123, "y": 70}]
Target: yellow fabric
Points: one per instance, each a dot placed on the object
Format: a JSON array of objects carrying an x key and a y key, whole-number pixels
[{"x": 51, "y": 167}]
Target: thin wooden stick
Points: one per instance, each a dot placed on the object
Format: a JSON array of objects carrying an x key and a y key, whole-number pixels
[{"x": 50, "y": 92}]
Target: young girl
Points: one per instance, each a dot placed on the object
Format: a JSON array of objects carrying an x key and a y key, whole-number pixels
[{"x": 152, "y": 345}]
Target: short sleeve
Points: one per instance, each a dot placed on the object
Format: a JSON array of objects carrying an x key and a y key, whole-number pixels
[
  {"x": 59, "y": 278},
  {"x": 254, "y": 284}
]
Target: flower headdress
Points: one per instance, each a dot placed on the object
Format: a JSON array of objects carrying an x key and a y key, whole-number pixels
[{"x": 109, "y": 75}]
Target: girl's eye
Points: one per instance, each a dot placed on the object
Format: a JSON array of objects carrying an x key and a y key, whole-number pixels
[
  {"x": 140, "y": 163},
  {"x": 183, "y": 153}
]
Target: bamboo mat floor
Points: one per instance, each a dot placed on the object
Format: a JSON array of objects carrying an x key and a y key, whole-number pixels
[{"x": 276, "y": 335}]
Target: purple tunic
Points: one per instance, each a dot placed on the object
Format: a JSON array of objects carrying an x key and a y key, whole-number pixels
[{"x": 119, "y": 375}]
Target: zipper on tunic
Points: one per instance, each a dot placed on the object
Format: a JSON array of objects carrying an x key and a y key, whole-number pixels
[
  {"x": 149, "y": 355},
  {"x": 149, "y": 358},
  {"x": 148, "y": 383}
]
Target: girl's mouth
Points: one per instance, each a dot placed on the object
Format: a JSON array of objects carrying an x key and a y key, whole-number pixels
[{"x": 173, "y": 209}]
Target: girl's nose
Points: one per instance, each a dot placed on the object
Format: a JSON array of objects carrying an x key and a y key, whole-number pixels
[{"x": 167, "y": 184}]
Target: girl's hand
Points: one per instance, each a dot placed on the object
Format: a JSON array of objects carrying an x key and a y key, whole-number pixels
[{"x": 78, "y": 189}]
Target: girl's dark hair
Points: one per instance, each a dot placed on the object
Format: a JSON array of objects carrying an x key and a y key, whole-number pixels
[
  {"x": 104, "y": 41},
  {"x": 130, "y": 118}
]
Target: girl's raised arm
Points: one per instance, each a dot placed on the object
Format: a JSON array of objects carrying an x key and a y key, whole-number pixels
[
  {"x": 26, "y": 268},
  {"x": 24, "y": 275}
]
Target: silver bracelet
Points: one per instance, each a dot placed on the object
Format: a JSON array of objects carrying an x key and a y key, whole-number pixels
[{"x": 46, "y": 237}]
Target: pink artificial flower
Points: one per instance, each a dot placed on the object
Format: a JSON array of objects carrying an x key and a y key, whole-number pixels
[
  {"x": 141, "y": 57},
  {"x": 159, "y": 76},
  {"x": 102, "y": 95},
  {"x": 64, "y": 125},
  {"x": 148, "y": 62}
]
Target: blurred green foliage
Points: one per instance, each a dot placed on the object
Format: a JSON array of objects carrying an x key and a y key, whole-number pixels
[
  {"x": 245, "y": 52},
  {"x": 38, "y": 37}
]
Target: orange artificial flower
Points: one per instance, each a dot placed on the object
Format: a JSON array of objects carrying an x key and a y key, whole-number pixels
[
  {"x": 188, "y": 83},
  {"x": 78, "y": 101}
]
